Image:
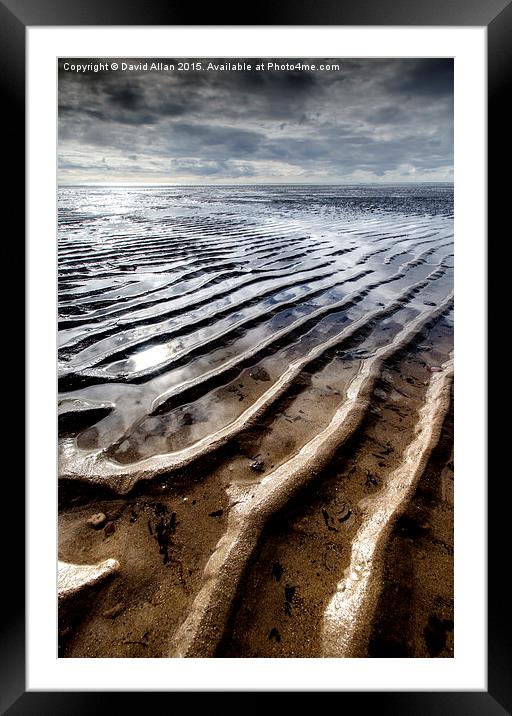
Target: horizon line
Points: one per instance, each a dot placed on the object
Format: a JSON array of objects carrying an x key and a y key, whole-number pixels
[{"x": 127, "y": 183}]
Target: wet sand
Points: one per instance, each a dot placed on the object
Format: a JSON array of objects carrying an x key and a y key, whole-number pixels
[
  {"x": 307, "y": 547},
  {"x": 417, "y": 585},
  {"x": 231, "y": 464}
]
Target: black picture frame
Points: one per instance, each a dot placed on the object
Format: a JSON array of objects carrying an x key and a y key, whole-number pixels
[{"x": 15, "y": 17}]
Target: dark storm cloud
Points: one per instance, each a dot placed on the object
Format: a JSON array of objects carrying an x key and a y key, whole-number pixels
[
  {"x": 433, "y": 78},
  {"x": 368, "y": 120},
  {"x": 126, "y": 97}
]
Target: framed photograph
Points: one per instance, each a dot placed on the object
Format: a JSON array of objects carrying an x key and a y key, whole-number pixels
[{"x": 256, "y": 352}]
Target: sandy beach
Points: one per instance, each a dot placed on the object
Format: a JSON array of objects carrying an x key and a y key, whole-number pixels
[{"x": 256, "y": 421}]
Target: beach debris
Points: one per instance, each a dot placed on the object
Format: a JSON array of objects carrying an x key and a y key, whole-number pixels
[
  {"x": 97, "y": 521},
  {"x": 73, "y": 578},
  {"x": 160, "y": 509},
  {"x": 277, "y": 571},
  {"x": 164, "y": 530},
  {"x": 133, "y": 516},
  {"x": 216, "y": 513},
  {"x": 346, "y": 515},
  {"x": 274, "y": 634},
  {"x": 259, "y": 373},
  {"x": 236, "y": 390},
  {"x": 142, "y": 642},
  {"x": 429, "y": 303},
  {"x": 328, "y": 520},
  {"x": 424, "y": 348},
  {"x": 258, "y": 466},
  {"x": 289, "y": 594},
  {"x": 114, "y": 611},
  {"x": 371, "y": 481},
  {"x": 110, "y": 528},
  {"x": 434, "y": 369}
]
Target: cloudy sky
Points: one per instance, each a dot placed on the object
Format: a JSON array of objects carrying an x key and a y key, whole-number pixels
[{"x": 369, "y": 121}]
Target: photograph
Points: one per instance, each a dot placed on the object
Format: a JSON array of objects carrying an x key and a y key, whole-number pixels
[{"x": 255, "y": 357}]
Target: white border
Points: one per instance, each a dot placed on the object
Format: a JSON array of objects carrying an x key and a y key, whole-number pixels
[{"x": 467, "y": 670}]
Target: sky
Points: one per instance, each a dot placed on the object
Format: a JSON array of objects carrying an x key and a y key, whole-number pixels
[{"x": 369, "y": 120}]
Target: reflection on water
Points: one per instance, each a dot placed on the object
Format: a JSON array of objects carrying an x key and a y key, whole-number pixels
[
  {"x": 169, "y": 295},
  {"x": 144, "y": 359}
]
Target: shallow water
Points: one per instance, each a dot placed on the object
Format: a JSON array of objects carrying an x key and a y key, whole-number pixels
[{"x": 168, "y": 295}]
